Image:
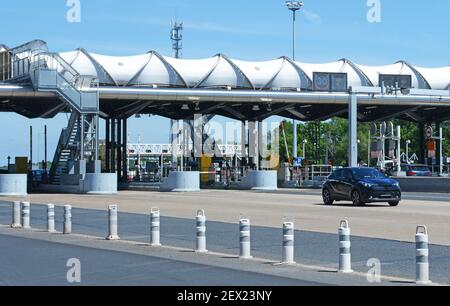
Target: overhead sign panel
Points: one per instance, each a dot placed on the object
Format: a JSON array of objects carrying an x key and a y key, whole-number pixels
[
  {"x": 330, "y": 82},
  {"x": 397, "y": 81}
]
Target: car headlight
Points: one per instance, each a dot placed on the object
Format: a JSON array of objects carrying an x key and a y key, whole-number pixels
[
  {"x": 367, "y": 185},
  {"x": 397, "y": 184}
]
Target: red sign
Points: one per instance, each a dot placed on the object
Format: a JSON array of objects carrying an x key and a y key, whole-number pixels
[{"x": 431, "y": 146}]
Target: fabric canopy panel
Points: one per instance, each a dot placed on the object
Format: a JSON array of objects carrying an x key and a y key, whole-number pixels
[{"x": 152, "y": 69}]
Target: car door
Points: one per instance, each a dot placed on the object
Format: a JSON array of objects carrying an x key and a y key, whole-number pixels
[
  {"x": 334, "y": 181},
  {"x": 346, "y": 185}
]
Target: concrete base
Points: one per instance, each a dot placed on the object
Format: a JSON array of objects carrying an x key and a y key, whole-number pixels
[
  {"x": 101, "y": 183},
  {"x": 260, "y": 180},
  {"x": 424, "y": 184},
  {"x": 71, "y": 179},
  {"x": 66, "y": 189},
  {"x": 188, "y": 181},
  {"x": 94, "y": 167},
  {"x": 13, "y": 184},
  {"x": 80, "y": 167}
]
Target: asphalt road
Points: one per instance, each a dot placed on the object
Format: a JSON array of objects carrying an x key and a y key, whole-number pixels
[
  {"x": 416, "y": 196},
  {"x": 34, "y": 262},
  {"x": 304, "y": 207},
  {"x": 312, "y": 248}
]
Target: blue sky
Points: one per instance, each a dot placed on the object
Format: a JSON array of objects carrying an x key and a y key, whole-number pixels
[{"x": 252, "y": 30}]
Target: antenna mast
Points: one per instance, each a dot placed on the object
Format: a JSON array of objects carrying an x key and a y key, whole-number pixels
[{"x": 176, "y": 36}]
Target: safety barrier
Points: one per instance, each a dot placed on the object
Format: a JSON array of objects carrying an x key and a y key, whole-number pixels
[
  {"x": 244, "y": 238},
  {"x": 67, "y": 220},
  {"x": 288, "y": 243},
  {"x": 21, "y": 219},
  {"x": 345, "y": 257},
  {"x": 422, "y": 252},
  {"x": 26, "y": 215},
  {"x": 16, "y": 222},
  {"x": 201, "y": 232},
  {"x": 51, "y": 218},
  {"x": 155, "y": 234},
  {"x": 112, "y": 223}
]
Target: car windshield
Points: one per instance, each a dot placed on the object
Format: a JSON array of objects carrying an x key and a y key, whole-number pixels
[{"x": 366, "y": 173}]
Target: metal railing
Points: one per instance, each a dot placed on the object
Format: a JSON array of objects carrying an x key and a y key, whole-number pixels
[
  {"x": 305, "y": 175},
  {"x": 436, "y": 170},
  {"x": 51, "y": 72},
  {"x": 166, "y": 149}
]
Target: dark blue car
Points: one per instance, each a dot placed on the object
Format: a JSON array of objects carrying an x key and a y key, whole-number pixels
[{"x": 361, "y": 186}]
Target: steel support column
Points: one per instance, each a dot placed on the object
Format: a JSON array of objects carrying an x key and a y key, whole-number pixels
[
  {"x": 108, "y": 145},
  {"x": 253, "y": 143},
  {"x": 421, "y": 128},
  {"x": 113, "y": 145},
  {"x": 125, "y": 150},
  {"x": 243, "y": 142},
  {"x": 353, "y": 131},
  {"x": 441, "y": 144},
  {"x": 119, "y": 149},
  {"x": 294, "y": 140},
  {"x": 260, "y": 143}
]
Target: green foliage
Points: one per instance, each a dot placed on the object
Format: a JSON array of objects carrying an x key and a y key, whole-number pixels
[{"x": 337, "y": 140}]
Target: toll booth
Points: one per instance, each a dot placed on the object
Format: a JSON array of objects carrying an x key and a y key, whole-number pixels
[{"x": 21, "y": 165}]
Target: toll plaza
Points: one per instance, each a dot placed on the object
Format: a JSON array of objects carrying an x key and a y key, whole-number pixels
[{"x": 103, "y": 92}]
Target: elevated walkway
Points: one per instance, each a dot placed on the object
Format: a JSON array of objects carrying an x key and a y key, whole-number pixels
[{"x": 76, "y": 156}]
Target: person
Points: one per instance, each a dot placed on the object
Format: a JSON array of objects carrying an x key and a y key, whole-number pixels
[{"x": 361, "y": 163}]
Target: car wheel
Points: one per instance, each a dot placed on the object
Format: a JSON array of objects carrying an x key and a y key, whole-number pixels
[
  {"x": 394, "y": 204},
  {"x": 326, "y": 195},
  {"x": 356, "y": 198}
]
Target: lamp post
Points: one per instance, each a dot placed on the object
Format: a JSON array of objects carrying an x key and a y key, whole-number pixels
[
  {"x": 304, "y": 148},
  {"x": 294, "y": 6},
  {"x": 9, "y": 163},
  {"x": 408, "y": 142}
]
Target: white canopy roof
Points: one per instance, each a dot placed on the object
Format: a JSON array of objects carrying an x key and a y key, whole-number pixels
[{"x": 152, "y": 69}]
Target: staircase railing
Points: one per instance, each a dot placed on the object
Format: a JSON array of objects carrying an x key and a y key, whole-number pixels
[
  {"x": 63, "y": 143},
  {"x": 50, "y": 72}
]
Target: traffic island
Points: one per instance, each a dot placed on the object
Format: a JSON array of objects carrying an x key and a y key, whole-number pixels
[
  {"x": 13, "y": 185},
  {"x": 259, "y": 180},
  {"x": 99, "y": 183},
  {"x": 187, "y": 181},
  {"x": 424, "y": 184}
]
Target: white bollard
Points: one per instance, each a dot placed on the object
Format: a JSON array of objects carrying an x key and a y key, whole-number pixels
[
  {"x": 26, "y": 215},
  {"x": 51, "y": 218},
  {"x": 201, "y": 232},
  {"x": 345, "y": 257},
  {"x": 288, "y": 243},
  {"x": 16, "y": 223},
  {"x": 155, "y": 227},
  {"x": 67, "y": 229},
  {"x": 422, "y": 252},
  {"x": 112, "y": 222},
  {"x": 244, "y": 239}
]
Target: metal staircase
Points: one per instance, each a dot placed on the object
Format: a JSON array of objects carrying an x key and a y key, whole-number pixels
[
  {"x": 67, "y": 149},
  {"x": 49, "y": 72}
]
